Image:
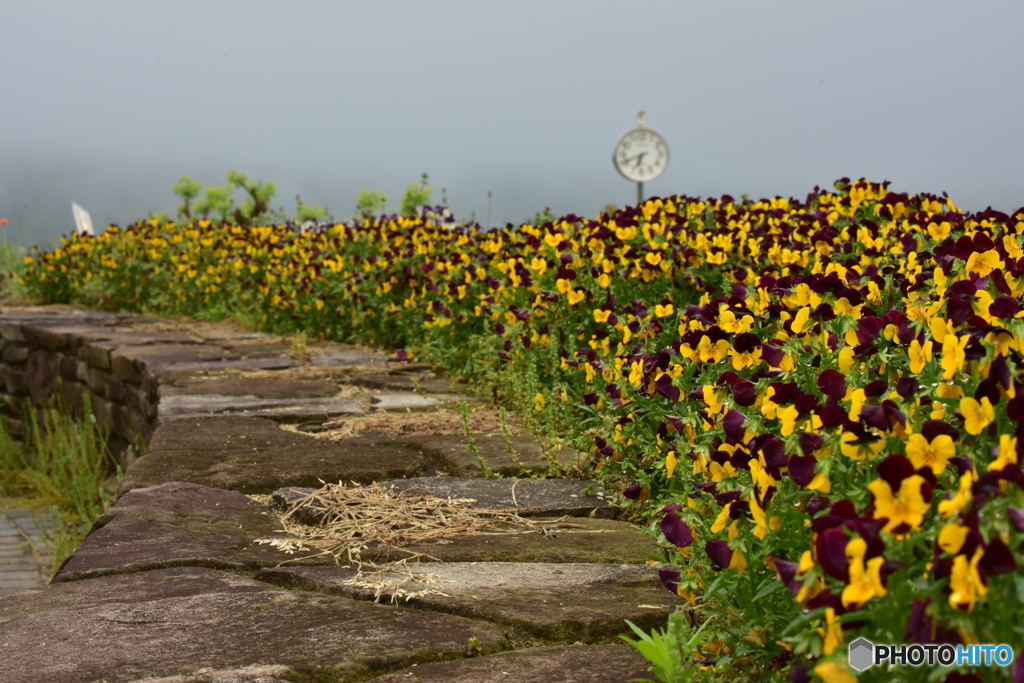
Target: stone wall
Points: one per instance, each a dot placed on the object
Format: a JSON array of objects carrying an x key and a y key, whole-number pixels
[
  {"x": 106, "y": 360},
  {"x": 43, "y": 358}
]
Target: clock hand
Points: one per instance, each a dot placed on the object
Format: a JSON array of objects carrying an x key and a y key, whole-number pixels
[{"x": 639, "y": 159}]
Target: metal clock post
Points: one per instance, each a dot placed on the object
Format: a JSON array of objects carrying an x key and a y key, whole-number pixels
[{"x": 640, "y": 155}]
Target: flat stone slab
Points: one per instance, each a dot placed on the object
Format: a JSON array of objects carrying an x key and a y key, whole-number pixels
[
  {"x": 529, "y": 497},
  {"x": 176, "y": 525},
  {"x": 460, "y": 461},
  {"x": 281, "y": 363},
  {"x": 170, "y": 622},
  {"x": 234, "y": 336},
  {"x": 569, "y": 664},
  {"x": 254, "y": 455},
  {"x": 233, "y": 678},
  {"x": 178, "y": 407},
  {"x": 582, "y": 539},
  {"x": 349, "y": 358},
  {"x": 403, "y": 401},
  {"x": 244, "y": 386},
  {"x": 562, "y": 602},
  {"x": 526, "y": 497},
  {"x": 164, "y": 353},
  {"x": 425, "y": 382}
]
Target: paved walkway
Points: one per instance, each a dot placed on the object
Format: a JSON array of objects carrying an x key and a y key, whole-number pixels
[
  {"x": 24, "y": 561},
  {"x": 196, "y": 569}
]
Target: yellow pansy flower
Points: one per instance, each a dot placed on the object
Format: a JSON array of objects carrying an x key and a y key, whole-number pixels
[
  {"x": 953, "y": 355},
  {"x": 859, "y": 451},
  {"x": 952, "y": 537},
  {"x": 728, "y": 321},
  {"x": 833, "y": 631},
  {"x": 865, "y": 580},
  {"x": 670, "y": 464},
  {"x": 906, "y": 506},
  {"x": 984, "y": 263},
  {"x": 835, "y": 672},
  {"x": 963, "y": 497},
  {"x": 965, "y": 583},
  {"x": 977, "y": 415},
  {"x": 919, "y": 355},
  {"x": 935, "y": 455},
  {"x": 1007, "y": 453}
]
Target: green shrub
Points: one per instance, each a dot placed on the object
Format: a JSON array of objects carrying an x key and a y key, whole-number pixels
[{"x": 63, "y": 465}]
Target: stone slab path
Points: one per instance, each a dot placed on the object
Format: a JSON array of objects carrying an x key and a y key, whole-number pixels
[{"x": 177, "y": 582}]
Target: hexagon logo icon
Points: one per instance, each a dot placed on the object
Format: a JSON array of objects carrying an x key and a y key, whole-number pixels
[{"x": 862, "y": 654}]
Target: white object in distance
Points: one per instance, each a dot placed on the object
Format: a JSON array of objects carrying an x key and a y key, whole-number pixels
[{"x": 82, "y": 220}]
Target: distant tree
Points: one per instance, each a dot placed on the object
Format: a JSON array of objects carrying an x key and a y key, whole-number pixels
[
  {"x": 257, "y": 204},
  {"x": 218, "y": 202},
  {"x": 305, "y": 212},
  {"x": 187, "y": 188},
  {"x": 370, "y": 204},
  {"x": 416, "y": 194}
]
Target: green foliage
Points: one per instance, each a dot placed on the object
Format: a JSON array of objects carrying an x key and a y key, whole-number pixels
[
  {"x": 416, "y": 194},
  {"x": 542, "y": 217},
  {"x": 217, "y": 202},
  {"x": 510, "y": 445},
  {"x": 11, "y": 264},
  {"x": 306, "y": 212},
  {"x": 256, "y": 205},
  {"x": 63, "y": 465},
  {"x": 671, "y": 651},
  {"x": 370, "y": 204},
  {"x": 467, "y": 431},
  {"x": 188, "y": 189}
]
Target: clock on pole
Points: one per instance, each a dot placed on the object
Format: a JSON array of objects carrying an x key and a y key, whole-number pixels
[{"x": 640, "y": 155}]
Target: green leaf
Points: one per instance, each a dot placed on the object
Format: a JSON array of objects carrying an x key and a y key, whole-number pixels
[{"x": 768, "y": 589}]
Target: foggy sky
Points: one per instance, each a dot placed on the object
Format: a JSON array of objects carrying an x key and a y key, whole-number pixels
[{"x": 109, "y": 103}]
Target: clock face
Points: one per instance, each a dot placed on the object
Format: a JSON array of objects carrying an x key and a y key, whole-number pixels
[{"x": 641, "y": 155}]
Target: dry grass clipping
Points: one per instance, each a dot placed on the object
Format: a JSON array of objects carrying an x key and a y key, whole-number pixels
[
  {"x": 356, "y": 518},
  {"x": 482, "y": 421}
]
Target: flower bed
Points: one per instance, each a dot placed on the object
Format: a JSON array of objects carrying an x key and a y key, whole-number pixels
[{"x": 816, "y": 403}]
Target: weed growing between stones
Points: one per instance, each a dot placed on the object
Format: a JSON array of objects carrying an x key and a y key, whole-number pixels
[
  {"x": 298, "y": 350},
  {"x": 63, "y": 464},
  {"x": 672, "y": 652},
  {"x": 467, "y": 431},
  {"x": 510, "y": 446}
]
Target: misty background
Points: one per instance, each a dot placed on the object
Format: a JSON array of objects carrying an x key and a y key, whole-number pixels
[{"x": 109, "y": 103}]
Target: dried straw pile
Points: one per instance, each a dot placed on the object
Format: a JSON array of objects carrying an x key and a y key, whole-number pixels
[{"x": 354, "y": 518}]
